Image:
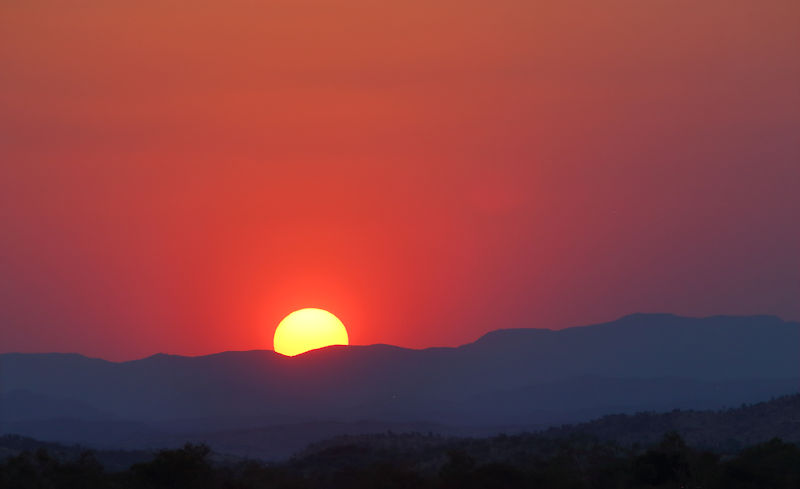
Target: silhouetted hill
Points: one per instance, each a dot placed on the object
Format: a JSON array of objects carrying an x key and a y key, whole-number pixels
[
  {"x": 724, "y": 432},
  {"x": 112, "y": 460},
  {"x": 507, "y": 380},
  {"x": 424, "y": 445},
  {"x": 278, "y": 442}
]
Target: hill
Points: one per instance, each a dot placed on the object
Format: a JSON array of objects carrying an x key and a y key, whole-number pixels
[
  {"x": 508, "y": 380},
  {"x": 724, "y": 432},
  {"x": 112, "y": 460},
  {"x": 568, "y": 457}
]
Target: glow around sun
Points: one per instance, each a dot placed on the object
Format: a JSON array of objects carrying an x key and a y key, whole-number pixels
[{"x": 308, "y": 329}]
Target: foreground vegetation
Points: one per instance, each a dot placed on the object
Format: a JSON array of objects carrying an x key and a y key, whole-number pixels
[{"x": 405, "y": 462}]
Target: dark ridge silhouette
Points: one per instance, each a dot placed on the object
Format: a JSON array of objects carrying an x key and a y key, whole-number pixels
[
  {"x": 724, "y": 431},
  {"x": 112, "y": 460}
]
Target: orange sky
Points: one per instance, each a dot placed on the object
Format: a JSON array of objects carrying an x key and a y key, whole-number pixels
[{"x": 177, "y": 176}]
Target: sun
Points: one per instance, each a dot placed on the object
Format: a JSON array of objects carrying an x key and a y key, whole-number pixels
[{"x": 308, "y": 329}]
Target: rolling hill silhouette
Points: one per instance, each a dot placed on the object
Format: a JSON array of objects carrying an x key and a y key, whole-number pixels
[{"x": 508, "y": 378}]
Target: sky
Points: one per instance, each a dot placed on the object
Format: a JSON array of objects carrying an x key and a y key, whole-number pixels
[{"x": 177, "y": 176}]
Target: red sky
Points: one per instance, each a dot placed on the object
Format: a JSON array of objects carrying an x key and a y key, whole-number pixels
[{"x": 177, "y": 176}]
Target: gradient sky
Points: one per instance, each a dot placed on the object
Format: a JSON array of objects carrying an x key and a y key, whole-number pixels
[{"x": 176, "y": 176}]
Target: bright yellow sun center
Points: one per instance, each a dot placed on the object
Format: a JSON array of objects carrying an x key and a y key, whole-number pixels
[{"x": 308, "y": 329}]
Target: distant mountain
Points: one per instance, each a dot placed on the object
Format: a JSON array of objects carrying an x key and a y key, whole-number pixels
[
  {"x": 508, "y": 379},
  {"x": 22, "y": 405}
]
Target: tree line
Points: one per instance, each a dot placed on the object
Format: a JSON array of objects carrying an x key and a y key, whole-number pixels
[{"x": 577, "y": 463}]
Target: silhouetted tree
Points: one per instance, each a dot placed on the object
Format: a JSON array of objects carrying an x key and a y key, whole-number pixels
[
  {"x": 498, "y": 475},
  {"x": 457, "y": 471},
  {"x": 666, "y": 463},
  {"x": 774, "y": 464},
  {"x": 184, "y": 468}
]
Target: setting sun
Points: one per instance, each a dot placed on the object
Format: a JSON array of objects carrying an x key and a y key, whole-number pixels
[{"x": 308, "y": 329}]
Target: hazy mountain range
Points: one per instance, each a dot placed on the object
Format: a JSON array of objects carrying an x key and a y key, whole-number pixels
[
  {"x": 262, "y": 402},
  {"x": 724, "y": 432}
]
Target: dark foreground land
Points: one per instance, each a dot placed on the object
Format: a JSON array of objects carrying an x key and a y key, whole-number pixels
[
  {"x": 574, "y": 463},
  {"x": 727, "y": 449}
]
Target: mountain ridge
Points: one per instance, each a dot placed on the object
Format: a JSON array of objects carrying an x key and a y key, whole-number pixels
[
  {"x": 521, "y": 376},
  {"x": 621, "y": 321}
]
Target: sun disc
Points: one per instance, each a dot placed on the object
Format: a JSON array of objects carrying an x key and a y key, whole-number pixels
[{"x": 308, "y": 329}]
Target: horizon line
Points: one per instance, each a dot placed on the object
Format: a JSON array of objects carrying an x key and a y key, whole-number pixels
[{"x": 265, "y": 350}]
